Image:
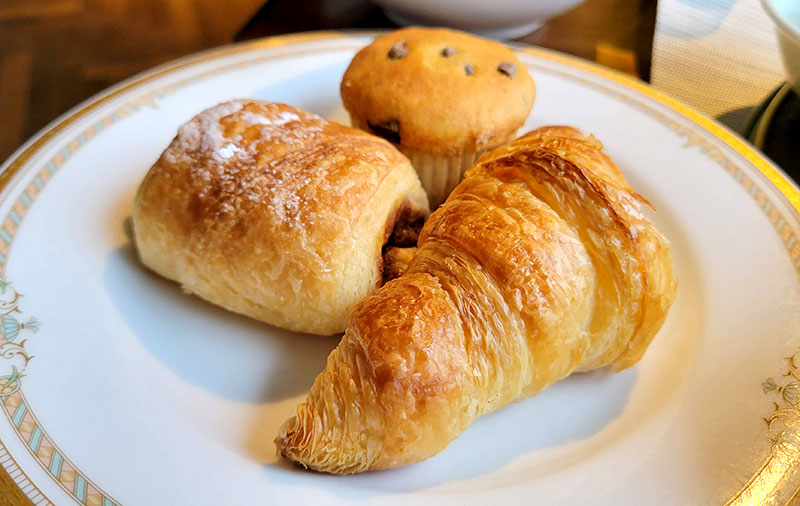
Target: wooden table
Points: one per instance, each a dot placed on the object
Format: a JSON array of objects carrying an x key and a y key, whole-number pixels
[{"x": 56, "y": 53}]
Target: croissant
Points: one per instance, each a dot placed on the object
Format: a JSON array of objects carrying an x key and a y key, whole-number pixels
[{"x": 537, "y": 265}]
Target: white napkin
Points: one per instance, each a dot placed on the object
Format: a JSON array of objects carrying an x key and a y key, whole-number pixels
[{"x": 716, "y": 55}]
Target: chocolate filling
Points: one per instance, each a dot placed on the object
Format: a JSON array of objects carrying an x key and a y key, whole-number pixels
[
  {"x": 401, "y": 232},
  {"x": 395, "y": 263}
]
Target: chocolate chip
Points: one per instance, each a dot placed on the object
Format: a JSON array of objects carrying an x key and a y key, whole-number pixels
[
  {"x": 448, "y": 52},
  {"x": 399, "y": 50},
  {"x": 389, "y": 130},
  {"x": 469, "y": 69},
  {"x": 508, "y": 69}
]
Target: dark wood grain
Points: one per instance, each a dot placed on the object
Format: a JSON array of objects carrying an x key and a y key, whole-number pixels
[{"x": 56, "y": 53}]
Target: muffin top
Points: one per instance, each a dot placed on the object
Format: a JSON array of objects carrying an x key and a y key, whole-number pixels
[{"x": 438, "y": 90}]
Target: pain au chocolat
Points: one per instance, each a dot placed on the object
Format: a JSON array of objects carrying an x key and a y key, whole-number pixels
[{"x": 276, "y": 213}]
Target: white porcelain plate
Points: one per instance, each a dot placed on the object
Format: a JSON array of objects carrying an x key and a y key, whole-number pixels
[{"x": 116, "y": 388}]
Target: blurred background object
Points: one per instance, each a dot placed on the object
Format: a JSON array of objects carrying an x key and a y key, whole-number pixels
[
  {"x": 502, "y": 19},
  {"x": 616, "y": 33},
  {"x": 719, "y": 56},
  {"x": 775, "y": 127},
  {"x": 786, "y": 15}
]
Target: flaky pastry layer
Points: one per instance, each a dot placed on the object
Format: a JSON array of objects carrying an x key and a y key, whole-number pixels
[
  {"x": 274, "y": 212},
  {"x": 539, "y": 264}
]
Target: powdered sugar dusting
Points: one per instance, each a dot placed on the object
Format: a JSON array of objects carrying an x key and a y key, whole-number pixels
[
  {"x": 202, "y": 133},
  {"x": 226, "y": 151},
  {"x": 256, "y": 119},
  {"x": 241, "y": 152},
  {"x": 204, "y": 136},
  {"x": 255, "y": 169},
  {"x": 247, "y": 153}
]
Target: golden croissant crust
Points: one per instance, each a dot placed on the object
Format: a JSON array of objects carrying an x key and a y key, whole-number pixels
[{"x": 537, "y": 265}]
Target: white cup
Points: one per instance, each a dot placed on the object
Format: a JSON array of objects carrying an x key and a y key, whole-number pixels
[{"x": 500, "y": 19}]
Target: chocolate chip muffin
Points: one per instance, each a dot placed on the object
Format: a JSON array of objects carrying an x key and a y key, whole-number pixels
[{"x": 443, "y": 97}]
